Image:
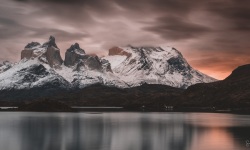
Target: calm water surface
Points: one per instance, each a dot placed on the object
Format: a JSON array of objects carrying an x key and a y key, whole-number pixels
[{"x": 123, "y": 131}]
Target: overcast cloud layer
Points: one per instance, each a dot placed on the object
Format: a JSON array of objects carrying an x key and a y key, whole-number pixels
[{"x": 212, "y": 35}]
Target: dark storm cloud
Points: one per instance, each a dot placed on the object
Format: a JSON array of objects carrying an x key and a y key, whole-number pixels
[
  {"x": 235, "y": 14},
  {"x": 11, "y": 28},
  {"x": 199, "y": 29},
  {"x": 58, "y": 1},
  {"x": 62, "y": 35},
  {"x": 173, "y": 28},
  {"x": 233, "y": 10},
  {"x": 8, "y": 28}
]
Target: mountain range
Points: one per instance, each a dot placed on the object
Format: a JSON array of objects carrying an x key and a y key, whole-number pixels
[
  {"x": 128, "y": 77},
  {"x": 124, "y": 67}
]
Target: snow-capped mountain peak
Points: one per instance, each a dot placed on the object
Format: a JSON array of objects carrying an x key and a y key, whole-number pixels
[
  {"x": 51, "y": 43},
  {"x": 154, "y": 65},
  {"x": 76, "y": 49},
  {"x": 31, "y": 74}
]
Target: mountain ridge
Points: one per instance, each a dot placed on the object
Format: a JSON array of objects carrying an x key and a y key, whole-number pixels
[
  {"x": 233, "y": 91},
  {"x": 151, "y": 65}
]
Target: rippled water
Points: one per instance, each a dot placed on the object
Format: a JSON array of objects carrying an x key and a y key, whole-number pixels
[{"x": 123, "y": 131}]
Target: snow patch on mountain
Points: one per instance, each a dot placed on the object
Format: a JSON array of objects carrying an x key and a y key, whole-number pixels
[
  {"x": 31, "y": 74},
  {"x": 66, "y": 72},
  {"x": 85, "y": 77}
]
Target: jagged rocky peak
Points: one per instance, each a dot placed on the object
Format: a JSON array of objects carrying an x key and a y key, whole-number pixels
[
  {"x": 31, "y": 50},
  {"x": 32, "y": 45},
  {"x": 51, "y": 42},
  {"x": 73, "y": 55},
  {"x": 76, "y": 49},
  {"x": 96, "y": 63},
  {"x": 52, "y": 53},
  {"x": 93, "y": 62},
  {"x": 76, "y": 56},
  {"x": 48, "y": 52}
]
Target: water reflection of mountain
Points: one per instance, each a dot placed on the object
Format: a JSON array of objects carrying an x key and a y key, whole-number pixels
[
  {"x": 118, "y": 131},
  {"x": 97, "y": 132},
  {"x": 52, "y": 133}
]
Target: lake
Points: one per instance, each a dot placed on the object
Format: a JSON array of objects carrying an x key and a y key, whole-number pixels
[{"x": 123, "y": 131}]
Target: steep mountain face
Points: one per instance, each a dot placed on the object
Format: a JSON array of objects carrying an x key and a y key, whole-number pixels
[
  {"x": 234, "y": 91},
  {"x": 154, "y": 65},
  {"x": 73, "y": 55},
  {"x": 48, "y": 53},
  {"x": 31, "y": 74},
  {"x": 31, "y": 80},
  {"x": 83, "y": 70}
]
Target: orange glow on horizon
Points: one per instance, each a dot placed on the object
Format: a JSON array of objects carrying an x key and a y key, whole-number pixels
[{"x": 220, "y": 75}]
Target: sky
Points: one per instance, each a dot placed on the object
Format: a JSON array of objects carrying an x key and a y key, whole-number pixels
[{"x": 213, "y": 35}]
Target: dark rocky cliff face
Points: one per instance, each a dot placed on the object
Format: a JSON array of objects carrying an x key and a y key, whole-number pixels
[
  {"x": 28, "y": 51},
  {"x": 93, "y": 62},
  {"x": 26, "y": 54},
  {"x": 53, "y": 53},
  {"x": 118, "y": 51},
  {"x": 53, "y": 56},
  {"x": 106, "y": 66},
  {"x": 178, "y": 63},
  {"x": 73, "y": 55},
  {"x": 76, "y": 56},
  {"x": 50, "y": 43}
]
